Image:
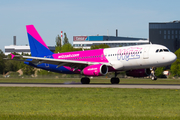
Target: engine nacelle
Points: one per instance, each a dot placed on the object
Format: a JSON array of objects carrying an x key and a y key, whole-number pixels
[
  {"x": 138, "y": 72},
  {"x": 95, "y": 70}
]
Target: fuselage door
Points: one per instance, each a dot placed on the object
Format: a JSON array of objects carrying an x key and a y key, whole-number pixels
[
  {"x": 146, "y": 53},
  {"x": 103, "y": 57}
]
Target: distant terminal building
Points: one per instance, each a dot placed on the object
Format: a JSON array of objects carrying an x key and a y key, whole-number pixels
[
  {"x": 21, "y": 49},
  {"x": 112, "y": 41},
  {"x": 165, "y": 33},
  {"x": 17, "y": 49}
]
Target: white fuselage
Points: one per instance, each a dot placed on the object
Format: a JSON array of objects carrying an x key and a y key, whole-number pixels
[{"x": 141, "y": 56}]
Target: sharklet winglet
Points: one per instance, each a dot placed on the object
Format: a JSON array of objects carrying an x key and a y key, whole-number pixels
[{"x": 12, "y": 56}]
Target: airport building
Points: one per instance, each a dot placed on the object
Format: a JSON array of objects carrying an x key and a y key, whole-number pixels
[
  {"x": 21, "y": 49},
  {"x": 167, "y": 34},
  {"x": 112, "y": 41},
  {"x": 17, "y": 49}
]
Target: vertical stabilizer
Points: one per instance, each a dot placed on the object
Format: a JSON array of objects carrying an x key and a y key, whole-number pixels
[{"x": 37, "y": 45}]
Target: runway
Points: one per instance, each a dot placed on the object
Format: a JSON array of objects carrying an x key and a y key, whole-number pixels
[{"x": 78, "y": 85}]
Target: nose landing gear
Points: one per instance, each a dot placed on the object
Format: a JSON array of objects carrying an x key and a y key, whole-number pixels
[{"x": 153, "y": 77}]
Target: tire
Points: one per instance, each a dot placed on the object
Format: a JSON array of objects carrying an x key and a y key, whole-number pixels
[
  {"x": 154, "y": 78},
  {"x": 85, "y": 80},
  {"x": 115, "y": 80}
]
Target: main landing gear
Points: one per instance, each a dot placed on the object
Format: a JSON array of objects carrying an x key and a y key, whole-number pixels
[
  {"x": 85, "y": 80},
  {"x": 115, "y": 80},
  {"x": 153, "y": 77}
]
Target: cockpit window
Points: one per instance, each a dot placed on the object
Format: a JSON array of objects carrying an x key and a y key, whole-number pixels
[
  {"x": 166, "y": 50},
  {"x": 160, "y": 50}
]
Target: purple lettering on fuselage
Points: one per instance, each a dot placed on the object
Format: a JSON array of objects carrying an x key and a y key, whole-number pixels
[{"x": 129, "y": 53}]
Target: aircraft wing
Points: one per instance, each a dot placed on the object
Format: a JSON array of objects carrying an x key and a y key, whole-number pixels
[{"x": 58, "y": 62}]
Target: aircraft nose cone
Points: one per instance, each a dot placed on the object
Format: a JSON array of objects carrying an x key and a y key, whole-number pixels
[{"x": 172, "y": 58}]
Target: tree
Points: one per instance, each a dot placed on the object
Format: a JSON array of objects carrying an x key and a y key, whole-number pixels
[
  {"x": 78, "y": 49},
  {"x": 58, "y": 41},
  {"x": 175, "y": 67},
  {"x": 12, "y": 65},
  {"x": 2, "y": 62},
  {"x": 99, "y": 46},
  {"x": 28, "y": 70},
  {"x": 65, "y": 39},
  {"x": 159, "y": 72},
  {"x": 67, "y": 48},
  {"x": 45, "y": 72},
  {"x": 58, "y": 44}
]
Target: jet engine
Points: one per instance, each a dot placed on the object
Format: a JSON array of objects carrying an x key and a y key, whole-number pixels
[
  {"x": 138, "y": 72},
  {"x": 95, "y": 70}
]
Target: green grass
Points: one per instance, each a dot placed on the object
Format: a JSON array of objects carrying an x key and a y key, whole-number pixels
[
  {"x": 88, "y": 103},
  {"x": 93, "y": 80}
]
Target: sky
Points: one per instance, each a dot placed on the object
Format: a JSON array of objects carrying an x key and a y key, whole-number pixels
[{"x": 82, "y": 17}]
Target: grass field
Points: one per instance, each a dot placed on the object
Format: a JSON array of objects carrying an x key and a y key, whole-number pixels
[
  {"x": 88, "y": 103},
  {"x": 93, "y": 80}
]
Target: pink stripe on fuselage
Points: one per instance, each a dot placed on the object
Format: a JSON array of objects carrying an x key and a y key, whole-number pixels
[
  {"x": 33, "y": 32},
  {"x": 88, "y": 55}
]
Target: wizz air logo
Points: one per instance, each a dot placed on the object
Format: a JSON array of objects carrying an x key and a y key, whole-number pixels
[
  {"x": 92, "y": 69},
  {"x": 69, "y": 55},
  {"x": 129, "y": 53}
]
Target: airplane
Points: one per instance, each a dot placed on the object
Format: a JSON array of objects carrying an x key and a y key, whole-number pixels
[{"x": 137, "y": 61}]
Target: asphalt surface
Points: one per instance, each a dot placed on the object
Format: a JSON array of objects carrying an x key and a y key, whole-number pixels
[{"x": 78, "y": 85}]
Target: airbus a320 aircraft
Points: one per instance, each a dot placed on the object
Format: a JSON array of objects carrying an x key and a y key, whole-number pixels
[{"x": 135, "y": 60}]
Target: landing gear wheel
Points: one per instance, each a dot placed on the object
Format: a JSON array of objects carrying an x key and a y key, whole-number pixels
[
  {"x": 154, "y": 78},
  {"x": 85, "y": 80},
  {"x": 152, "y": 73},
  {"x": 115, "y": 80}
]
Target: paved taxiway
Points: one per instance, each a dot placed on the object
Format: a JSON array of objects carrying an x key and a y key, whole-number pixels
[{"x": 76, "y": 85}]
